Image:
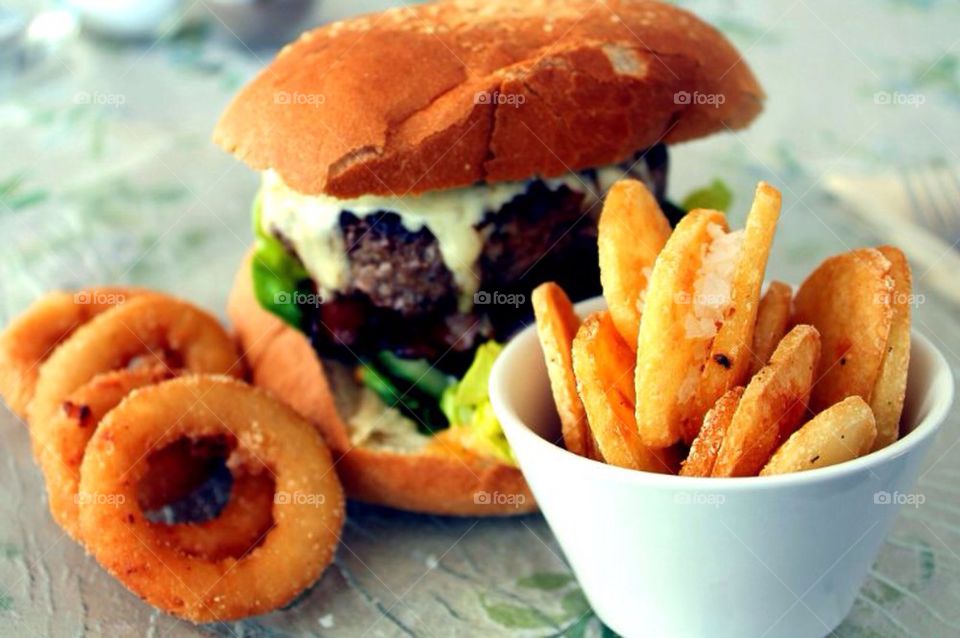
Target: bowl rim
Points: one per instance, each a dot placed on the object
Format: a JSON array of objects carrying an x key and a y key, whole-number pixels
[{"x": 514, "y": 426}]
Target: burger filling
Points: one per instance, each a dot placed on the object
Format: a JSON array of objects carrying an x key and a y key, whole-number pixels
[{"x": 407, "y": 297}]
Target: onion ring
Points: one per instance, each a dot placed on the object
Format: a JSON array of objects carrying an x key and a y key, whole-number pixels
[
  {"x": 308, "y": 509},
  {"x": 148, "y": 326},
  {"x": 30, "y": 338},
  {"x": 175, "y": 471},
  {"x": 64, "y": 437},
  {"x": 244, "y": 521}
]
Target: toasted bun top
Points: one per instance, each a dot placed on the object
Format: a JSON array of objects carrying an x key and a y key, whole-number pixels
[{"x": 455, "y": 92}]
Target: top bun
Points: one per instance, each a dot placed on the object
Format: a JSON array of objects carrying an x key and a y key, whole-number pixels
[{"x": 451, "y": 93}]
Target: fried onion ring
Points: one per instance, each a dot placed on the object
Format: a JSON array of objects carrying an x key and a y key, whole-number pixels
[
  {"x": 244, "y": 521},
  {"x": 61, "y": 441},
  {"x": 148, "y": 326},
  {"x": 31, "y": 338},
  {"x": 308, "y": 509},
  {"x": 174, "y": 471}
]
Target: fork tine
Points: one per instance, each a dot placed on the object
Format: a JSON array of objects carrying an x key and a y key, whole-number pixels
[
  {"x": 952, "y": 194},
  {"x": 927, "y": 182},
  {"x": 938, "y": 194},
  {"x": 919, "y": 202},
  {"x": 916, "y": 210},
  {"x": 953, "y": 178},
  {"x": 934, "y": 197}
]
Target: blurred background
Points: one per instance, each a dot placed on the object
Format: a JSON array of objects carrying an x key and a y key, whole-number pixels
[{"x": 106, "y": 109}]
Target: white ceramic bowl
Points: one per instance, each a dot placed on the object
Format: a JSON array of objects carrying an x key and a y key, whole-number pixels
[{"x": 673, "y": 556}]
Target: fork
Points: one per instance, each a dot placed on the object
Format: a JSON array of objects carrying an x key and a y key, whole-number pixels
[{"x": 934, "y": 196}]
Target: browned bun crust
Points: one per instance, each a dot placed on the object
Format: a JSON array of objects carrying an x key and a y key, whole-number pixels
[
  {"x": 450, "y": 485},
  {"x": 388, "y": 103},
  {"x": 444, "y": 478},
  {"x": 282, "y": 360}
]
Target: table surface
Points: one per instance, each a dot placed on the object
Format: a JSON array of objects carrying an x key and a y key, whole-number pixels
[{"x": 123, "y": 186}]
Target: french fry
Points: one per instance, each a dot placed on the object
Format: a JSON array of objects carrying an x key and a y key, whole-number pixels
[
  {"x": 717, "y": 365},
  {"x": 668, "y": 359},
  {"x": 603, "y": 365},
  {"x": 631, "y": 232},
  {"x": 730, "y": 357},
  {"x": 891, "y": 386},
  {"x": 557, "y": 325},
  {"x": 847, "y": 298},
  {"x": 772, "y": 405},
  {"x": 703, "y": 452},
  {"x": 840, "y": 433},
  {"x": 773, "y": 320}
]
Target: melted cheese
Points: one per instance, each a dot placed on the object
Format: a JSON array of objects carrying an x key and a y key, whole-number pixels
[{"x": 311, "y": 223}]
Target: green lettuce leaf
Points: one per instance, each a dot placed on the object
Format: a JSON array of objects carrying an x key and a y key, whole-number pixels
[
  {"x": 418, "y": 372},
  {"x": 717, "y": 196},
  {"x": 467, "y": 406},
  {"x": 278, "y": 276}
]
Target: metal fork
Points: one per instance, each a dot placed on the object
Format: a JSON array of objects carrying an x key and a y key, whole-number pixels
[{"x": 934, "y": 195}]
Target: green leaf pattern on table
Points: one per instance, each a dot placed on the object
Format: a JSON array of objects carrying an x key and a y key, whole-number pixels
[
  {"x": 561, "y": 608},
  {"x": 545, "y": 580}
]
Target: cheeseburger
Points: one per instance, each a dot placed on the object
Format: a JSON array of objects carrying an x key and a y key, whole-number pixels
[{"x": 423, "y": 169}]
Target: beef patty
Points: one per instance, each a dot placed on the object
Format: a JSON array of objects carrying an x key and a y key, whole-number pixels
[{"x": 402, "y": 297}]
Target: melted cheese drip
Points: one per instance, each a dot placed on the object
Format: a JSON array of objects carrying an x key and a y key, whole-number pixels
[{"x": 311, "y": 223}]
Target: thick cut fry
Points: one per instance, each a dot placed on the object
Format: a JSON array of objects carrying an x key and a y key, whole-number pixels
[
  {"x": 668, "y": 358},
  {"x": 728, "y": 364},
  {"x": 603, "y": 364},
  {"x": 773, "y": 320},
  {"x": 772, "y": 405},
  {"x": 840, "y": 433},
  {"x": 891, "y": 386},
  {"x": 557, "y": 325},
  {"x": 847, "y": 298},
  {"x": 631, "y": 232},
  {"x": 703, "y": 452}
]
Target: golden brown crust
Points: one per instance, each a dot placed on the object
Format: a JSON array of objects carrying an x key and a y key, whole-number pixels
[
  {"x": 435, "y": 483},
  {"x": 441, "y": 479},
  {"x": 33, "y": 336},
  {"x": 388, "y": 103},
  {"x": 281, "y": 360}
]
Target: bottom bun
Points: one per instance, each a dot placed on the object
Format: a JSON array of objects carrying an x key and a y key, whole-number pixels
[{"x": 440, "y": 477}]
